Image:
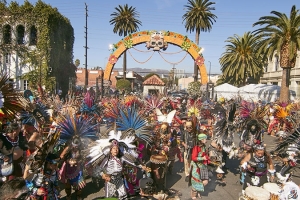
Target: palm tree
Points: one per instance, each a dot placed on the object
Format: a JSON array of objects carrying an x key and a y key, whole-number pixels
[
  {"x": 281, "y": 35},
  {"x": 125, "y": 22},
  {"x": 198, "y": 17},
  {"x": 240, "y": 59}
]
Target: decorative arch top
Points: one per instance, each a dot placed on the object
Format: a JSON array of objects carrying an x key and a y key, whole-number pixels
[{"x": 169, "y": 37}]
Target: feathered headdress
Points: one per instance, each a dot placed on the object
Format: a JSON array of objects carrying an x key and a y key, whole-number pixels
[
  {"x": 130, "y": 120},
  {"x": 77, "y": 126},
  {"x": 115, "y": 138},
  {"x": 134, "y": 101},
  {"x": 9, "y": 98},
  {"x": 249, "y": 111},
  {"x": 34, "y": 113},
  {"x": 152, "y": 102},
  {"x": 225, "y": 127},
  {"x": 283, "y": 115},
  {"x": 285, "y": 145}
]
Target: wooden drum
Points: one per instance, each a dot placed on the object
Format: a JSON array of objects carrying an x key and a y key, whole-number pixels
[{"x": 274, "y": 190}]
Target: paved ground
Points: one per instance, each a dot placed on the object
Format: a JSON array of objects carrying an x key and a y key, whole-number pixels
[{"x": 213, "y": 190}]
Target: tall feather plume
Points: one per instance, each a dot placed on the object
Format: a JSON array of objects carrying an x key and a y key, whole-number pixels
[
  {"x": 130, "y": 119},
  {"x": 9, "y": 97}
]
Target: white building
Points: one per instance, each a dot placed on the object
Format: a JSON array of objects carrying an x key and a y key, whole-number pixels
[
  {"x": 273, "y": 74},
  {"x": 14, "y": 36}
]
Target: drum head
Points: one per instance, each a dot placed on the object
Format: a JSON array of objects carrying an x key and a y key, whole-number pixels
[
  {"x": 272, "y": 188},
  {"x": 257, "y": 193}
]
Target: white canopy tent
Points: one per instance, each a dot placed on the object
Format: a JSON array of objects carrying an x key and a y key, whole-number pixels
[
  {"x": 268, "y": 93},
  {"x": 225, "y": 90}
]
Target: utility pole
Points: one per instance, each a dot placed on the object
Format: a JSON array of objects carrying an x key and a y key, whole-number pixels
[
  {"x": 86, "y": 81},
  {"x": 173, "y": 68}
]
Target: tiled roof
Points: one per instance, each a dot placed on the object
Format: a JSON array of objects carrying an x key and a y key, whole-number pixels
[{"x": 153, "y": 80}]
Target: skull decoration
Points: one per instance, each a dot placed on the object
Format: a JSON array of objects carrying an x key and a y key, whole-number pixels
[
  {"x": 164, "y": 128},
  {"x": 157, "y": 42}
]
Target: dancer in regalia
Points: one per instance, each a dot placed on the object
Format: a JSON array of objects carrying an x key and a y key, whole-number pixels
[
  {"x": 112, "y": 153},
  {"x": 74, "y": 131},
  {"x": 119, "y": 151},
  {"x": 257, "y": 165},
  {"x": 199, "y": 172}
]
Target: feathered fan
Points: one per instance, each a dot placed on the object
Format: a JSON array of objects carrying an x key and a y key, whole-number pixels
[{"x": 9, "y": 98}]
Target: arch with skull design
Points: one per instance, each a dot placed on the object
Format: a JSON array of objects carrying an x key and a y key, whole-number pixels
[{"x": 156, "y": 40}]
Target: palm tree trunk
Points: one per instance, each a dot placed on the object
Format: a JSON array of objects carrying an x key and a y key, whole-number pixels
[
  {"x": 284, "y": 91},
  {"x": 197, "y": 36}
]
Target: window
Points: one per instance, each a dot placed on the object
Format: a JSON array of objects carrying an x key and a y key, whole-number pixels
[
  {"x": 276, "y": 62},
  {"x": 7, "y": 58},
  {"x": 7, "y": 34},
  {"x": 20, "y": 34},
  {"x": 33, "y": 36},
  {"x": 26, "y": 85}
]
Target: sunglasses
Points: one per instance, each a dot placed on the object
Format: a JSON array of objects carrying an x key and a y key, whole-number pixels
[{"x": 189, "y": 127}]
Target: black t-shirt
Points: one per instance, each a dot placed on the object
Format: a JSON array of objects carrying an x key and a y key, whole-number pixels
[{"x": 188, "y": 139}]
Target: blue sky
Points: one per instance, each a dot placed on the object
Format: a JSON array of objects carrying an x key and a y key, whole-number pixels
[{"x": 234, "y": 17}]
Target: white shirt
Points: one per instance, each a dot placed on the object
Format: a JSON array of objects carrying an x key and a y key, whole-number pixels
[{"x": 290, "y": 191}]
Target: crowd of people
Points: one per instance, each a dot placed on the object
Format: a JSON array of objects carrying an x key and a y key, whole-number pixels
[{"x": 48, "y": 145}]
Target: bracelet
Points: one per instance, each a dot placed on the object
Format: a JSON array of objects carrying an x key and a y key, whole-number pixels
[
  {"x": 34, "y": 191},
  {"x": 272, "y": 171}
]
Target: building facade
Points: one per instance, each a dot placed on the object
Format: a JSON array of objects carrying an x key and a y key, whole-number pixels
[
  {"x": 135, "y": 79},
  {"x": 273, "y": 74},
  {"x": 36, "y": 40}
]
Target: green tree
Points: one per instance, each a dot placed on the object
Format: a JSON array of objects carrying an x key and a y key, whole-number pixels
[
  {"x": 281, "y": 35},
  {"x": 123, "y": 84},
  {"x": 48, "y": 31},
  {"x": 240, "y": 59},
  {"x": 77, "y": 63},
  {"x": 198, "y": 17},
  {"x": 125, "y": 22}
]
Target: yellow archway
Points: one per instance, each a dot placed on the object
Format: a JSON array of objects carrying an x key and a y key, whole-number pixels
[{"x": 168, "y": 37}]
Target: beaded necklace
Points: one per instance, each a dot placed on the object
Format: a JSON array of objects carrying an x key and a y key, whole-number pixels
[{"x": 13, "y": 142}]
